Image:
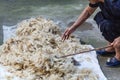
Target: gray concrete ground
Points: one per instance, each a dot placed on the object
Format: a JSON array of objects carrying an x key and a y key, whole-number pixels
[
  {"x": 1, "y": 31},
  {"x": 110, "y": 73}
]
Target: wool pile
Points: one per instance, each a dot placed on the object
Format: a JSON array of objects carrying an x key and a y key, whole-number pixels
[{"x": 31, "y": 54}]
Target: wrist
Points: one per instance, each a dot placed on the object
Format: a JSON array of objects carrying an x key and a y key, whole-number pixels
[{"x": 73, "y": 27}]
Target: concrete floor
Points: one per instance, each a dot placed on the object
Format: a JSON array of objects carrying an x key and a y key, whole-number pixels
[
  {"x": 110, "y": 73},
  {"x": 1, "y": 30}
]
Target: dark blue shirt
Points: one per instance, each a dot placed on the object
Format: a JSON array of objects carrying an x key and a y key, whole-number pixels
[
  {"x": 110, "y": 9},
  {"x": 108, "y": 19}
]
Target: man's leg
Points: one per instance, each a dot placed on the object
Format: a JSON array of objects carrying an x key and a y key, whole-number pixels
[
  {"x": 115, "y": 61},
  {"x": 107, "y": 51},
  {"x": 117, "y": 50},
  {"x": 117, "y": 56},
  {"x": 116, "y": 45}
]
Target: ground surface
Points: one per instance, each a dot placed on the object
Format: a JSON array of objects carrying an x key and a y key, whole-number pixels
[
  {"x": 1, "y": 34},
  {"x": 110, "y": 73}
]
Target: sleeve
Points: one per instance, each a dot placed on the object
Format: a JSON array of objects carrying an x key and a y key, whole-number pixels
[
  {"x": 93, "y": 5},
  {"x": 99, "y": 18}
]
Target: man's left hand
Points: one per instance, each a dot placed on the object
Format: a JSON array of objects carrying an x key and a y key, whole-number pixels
[{"x": 116, "y": 43}]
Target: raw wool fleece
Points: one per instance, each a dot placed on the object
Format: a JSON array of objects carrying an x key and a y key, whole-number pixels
[{"x": 30, "y": 55}]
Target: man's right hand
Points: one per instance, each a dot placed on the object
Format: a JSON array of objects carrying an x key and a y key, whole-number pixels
[{"x": 67, "y": 33}]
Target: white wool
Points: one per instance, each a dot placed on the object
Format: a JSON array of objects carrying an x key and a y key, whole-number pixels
[{"x": 30, "y": 55}]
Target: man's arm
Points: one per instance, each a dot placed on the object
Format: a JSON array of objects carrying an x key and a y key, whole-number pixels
[{"x": 88, "y": 11}]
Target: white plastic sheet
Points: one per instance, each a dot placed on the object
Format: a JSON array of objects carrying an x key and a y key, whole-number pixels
[
  {"x": 8, "y": 31},
  {"x": 91, "y": 62},
  {"x": 87, "y": 60}
]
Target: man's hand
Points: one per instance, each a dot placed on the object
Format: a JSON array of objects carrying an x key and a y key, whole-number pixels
[
  {"x": 116, "y": 43},
  {"x": 67, "y": 33}
]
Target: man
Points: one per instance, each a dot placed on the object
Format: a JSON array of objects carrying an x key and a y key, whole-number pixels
[{"x": 108, "y": 20}]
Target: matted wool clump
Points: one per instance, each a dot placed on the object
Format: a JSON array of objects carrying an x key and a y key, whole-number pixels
[{"x": 30, "y": 55}]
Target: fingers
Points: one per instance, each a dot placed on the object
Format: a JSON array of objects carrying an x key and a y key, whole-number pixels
[
  {"x": 66, "y": 34},
  {"x": 66, "y": 37},
  {"x": 112, "y": 44},
  {"x": 63, "y": 36},
  {"x": 116, "y": 43}
]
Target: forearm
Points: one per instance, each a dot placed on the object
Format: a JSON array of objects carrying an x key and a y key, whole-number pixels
[{"x": 84, "y": 15}]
